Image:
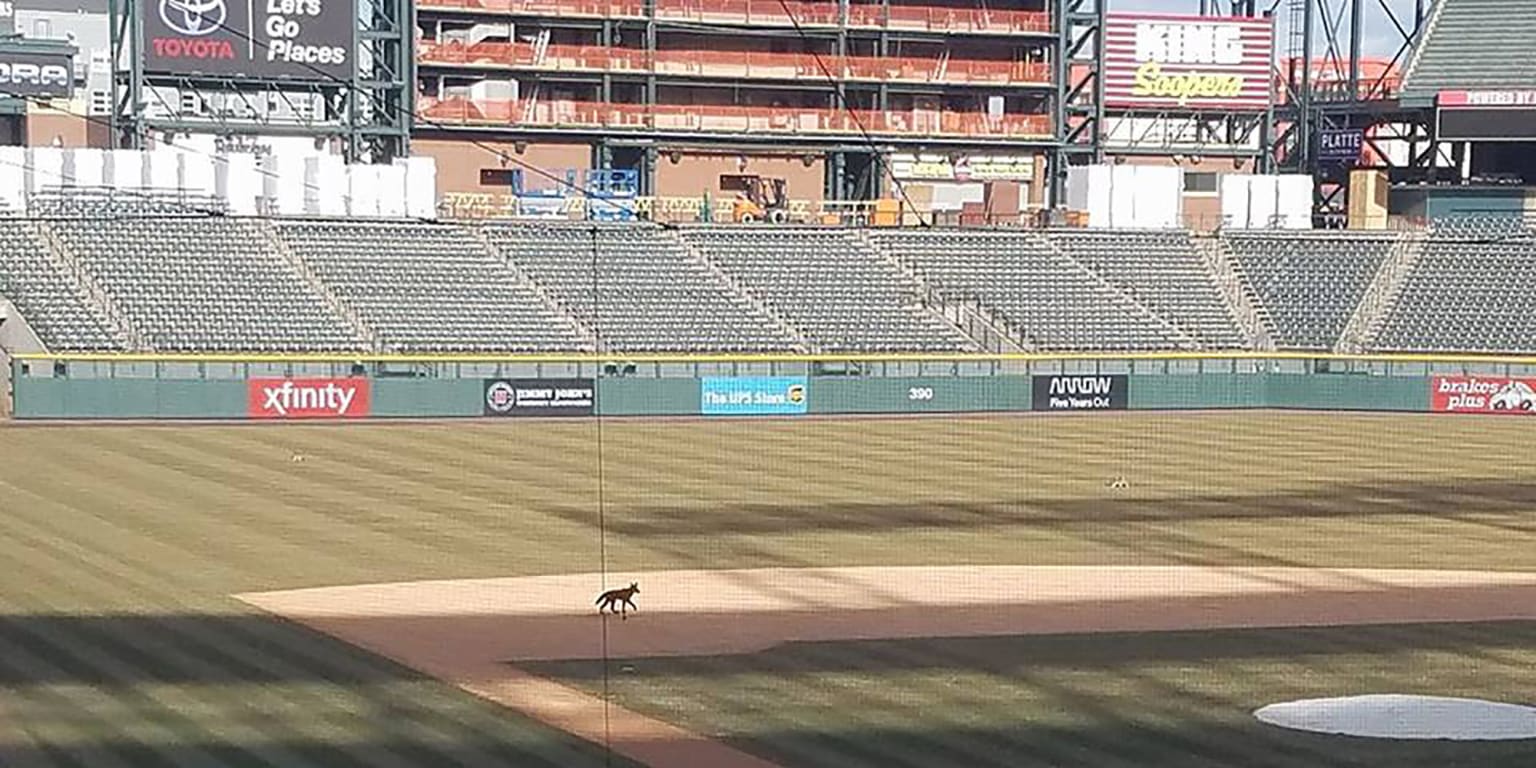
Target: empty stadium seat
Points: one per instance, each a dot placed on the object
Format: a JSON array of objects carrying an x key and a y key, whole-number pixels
[
  {"x": 203, "y": 284},
  {"x": 1473, "y": 289},
  {"x": 1056, "y": 302},
  {"x": 1162, "y": 270},
  {"x": 647, "y": 293},
  {"x": 1310, "y": 282},
  {"x": 838, "y": 293},
  {"x": 430, "y": 288},
  {"x": 56, "y": 306}
]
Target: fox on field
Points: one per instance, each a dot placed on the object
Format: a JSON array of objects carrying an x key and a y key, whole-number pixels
[{"x": 615, "y": 600}]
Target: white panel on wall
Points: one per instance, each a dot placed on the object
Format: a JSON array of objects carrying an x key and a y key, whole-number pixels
[
  {"x": 420, "y": 187},
  {"x": 1160, "y": 197},
  {"x": 13, "y": 178},
  {"x": 1122, "y": 196},
  {"x": 325, "y": 186},
  {"x": 88, "y": 167},
  {"x": 1261, "y": 202},
  {"x": 1234, "y": 200},
  {"x": 238, "y": 183},
  {"x": 1294, "y": 201},
  {"x": 363, "y": 190},
  {"x": 952, "y": 196},
  {"x": 125, "y": 169},
  {"x": 1077, "y": 188},
  {"x": 1098, "y": 183},
  {"x": 392, "y": 191},
  {"x": 46, "y": 165},
  {"x": 195, "y": 175},
  {"x": 282, "y": 184},
  {"x": 163, "y": 170}
]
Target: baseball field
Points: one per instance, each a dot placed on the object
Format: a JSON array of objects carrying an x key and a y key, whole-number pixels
[{"x": 1052, "y": 590}]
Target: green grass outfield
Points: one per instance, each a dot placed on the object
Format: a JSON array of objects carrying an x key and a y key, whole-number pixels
[{"x": 119, "y": 644}]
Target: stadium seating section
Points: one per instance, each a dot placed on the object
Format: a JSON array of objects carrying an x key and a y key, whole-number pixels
[
  {"x": 161, "y": 280},
  {"x": 648, "y": 293},
  {"x": 1468, "y": 293}
]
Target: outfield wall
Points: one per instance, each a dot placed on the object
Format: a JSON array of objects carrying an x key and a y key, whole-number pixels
[{"x": 352, "y": 392}]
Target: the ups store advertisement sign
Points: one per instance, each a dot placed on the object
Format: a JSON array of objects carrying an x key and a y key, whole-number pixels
[
  {"x": 539, "y": 397},
  {"x": 1097, "y": 392},
  {"x": 266, "y": 39}
]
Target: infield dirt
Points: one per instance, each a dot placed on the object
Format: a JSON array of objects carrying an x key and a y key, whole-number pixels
[{"x": 474, "y": 632}]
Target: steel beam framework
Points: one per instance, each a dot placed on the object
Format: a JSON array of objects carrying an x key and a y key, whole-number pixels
[
  {"x": 1325, "y": 88},
  {"x": 1077, "y": 110}
]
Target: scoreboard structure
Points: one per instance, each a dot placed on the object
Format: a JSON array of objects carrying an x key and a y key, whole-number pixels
[{"x": 332, "y": 69}]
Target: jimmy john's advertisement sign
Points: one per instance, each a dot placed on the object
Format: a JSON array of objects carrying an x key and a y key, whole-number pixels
[
  {"x": 539, "y": 397},
  {"x": 1162, "y": 61},
  {"x": 258, "y": 39}
]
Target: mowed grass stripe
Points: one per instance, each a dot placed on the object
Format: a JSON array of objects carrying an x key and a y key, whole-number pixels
[
  {"x": 282, "y": 652},
  {"x": 470, "y": 524},
  {"x": 135, "y": 660},
  {"x": 194, "y": 520},
  {"x": 213, "y": 654},
  {"x": 171, "y": 660},
  {"x": 296, "y": 520},
  {"x": 453, "y": 510}
]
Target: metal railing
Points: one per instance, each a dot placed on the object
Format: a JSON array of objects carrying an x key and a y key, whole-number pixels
[{"x": 240, "y": 367}]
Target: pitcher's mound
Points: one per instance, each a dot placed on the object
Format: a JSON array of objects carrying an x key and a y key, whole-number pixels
[{"x": 1396, "y": 716}]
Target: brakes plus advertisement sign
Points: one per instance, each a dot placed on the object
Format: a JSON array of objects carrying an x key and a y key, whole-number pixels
[
  {"x": 1483, "y": 394},
  {"x": 276, "y": 39},
  {"x": 308, "y": 398}
]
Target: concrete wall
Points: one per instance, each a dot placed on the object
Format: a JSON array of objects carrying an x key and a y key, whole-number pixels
[
  {"x": 694, "y": 172},
  {"x": 45, "y": 125},
  {"x": 459, "y": 162}
]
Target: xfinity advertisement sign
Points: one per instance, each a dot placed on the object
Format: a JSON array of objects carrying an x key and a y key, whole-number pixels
[{"x": 276, "y": 39}]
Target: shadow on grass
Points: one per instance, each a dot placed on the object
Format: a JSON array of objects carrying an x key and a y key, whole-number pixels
[
  {"x": 279, "y": 753},
  {"x": 1195, "y": 743},
  {"x": 1010, "y": 654},
  {"x": 1435, "y": 500},
  {"x": 1116, "y": 699}
]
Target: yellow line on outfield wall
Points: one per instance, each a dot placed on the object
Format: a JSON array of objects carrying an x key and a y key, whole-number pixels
[{"x": 122, "y": 357}]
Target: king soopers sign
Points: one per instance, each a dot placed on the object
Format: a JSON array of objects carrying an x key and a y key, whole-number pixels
[
  {"x": 1187, "y": 62},
  {"x": 277, "y": 39}
]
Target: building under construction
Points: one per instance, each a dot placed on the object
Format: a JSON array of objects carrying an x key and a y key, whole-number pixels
[{"x": 712, "y": 98}]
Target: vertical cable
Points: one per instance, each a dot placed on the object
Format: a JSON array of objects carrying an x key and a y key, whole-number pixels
[{"x": 602, "y": 507}]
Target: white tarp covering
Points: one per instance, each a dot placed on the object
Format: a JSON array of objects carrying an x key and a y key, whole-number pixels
[
  {"x": 391, "y": 191},
  {"x": 239, "y": 183},
  {"x": 282, "y": 184},
  {"x": 13, "y": 178},
  {"x": 162, "y": 171},
  {"x": 325, "y": 186},
  {"x": 196, "y": 176},
  {"x": 125, "y": 169},
  {"x": 1262, "y": 192},
  {"x": 88, "y": 167},
  {"x": 45, "y": 166},
  {"x": 363, "y": 190},
  {"x": 1293, "y": 201},
  {"x": 1234, "y": 200},
  {"x": 420, "y": 187}
]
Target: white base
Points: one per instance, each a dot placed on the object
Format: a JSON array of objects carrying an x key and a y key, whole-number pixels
[{"x": 1396, "y": 716}]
